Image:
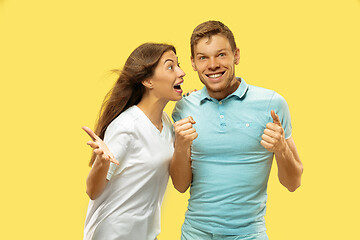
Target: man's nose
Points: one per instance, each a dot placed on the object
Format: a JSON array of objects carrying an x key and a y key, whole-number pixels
[{"x": 213, "y": 64}]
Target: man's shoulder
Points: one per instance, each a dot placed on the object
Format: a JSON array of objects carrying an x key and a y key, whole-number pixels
[
  {"x": 186, "y": 105},
  {"x": 262, "y": 96},
  {"x": 193, "y": 99},
  {"x": 260, "y": 91},
  {"x": 269, "y": 97}
]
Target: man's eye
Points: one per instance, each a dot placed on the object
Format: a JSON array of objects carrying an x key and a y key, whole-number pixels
[
  {"x": 222, "y": 54},
  {"x": 202, "y": 58},
  {"x": 170, "y": 67}
]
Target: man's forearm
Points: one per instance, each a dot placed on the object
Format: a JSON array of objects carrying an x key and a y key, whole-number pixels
[{"x": 289, "y": 165}]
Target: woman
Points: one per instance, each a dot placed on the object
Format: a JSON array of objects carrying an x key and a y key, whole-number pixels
[{"x": 129, "y": 171}]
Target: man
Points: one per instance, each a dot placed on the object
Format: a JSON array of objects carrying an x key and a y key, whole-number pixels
[{"x": 239, "y": 127}]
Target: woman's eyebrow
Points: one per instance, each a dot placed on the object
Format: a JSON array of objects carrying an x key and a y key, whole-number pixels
[{"x": 169, "y": 59}]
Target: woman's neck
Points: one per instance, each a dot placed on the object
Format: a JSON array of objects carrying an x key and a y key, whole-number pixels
[{"x": 153, "y": 109}]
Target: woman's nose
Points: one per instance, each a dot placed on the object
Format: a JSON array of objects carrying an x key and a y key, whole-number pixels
[{"x": 181, "y": 73}]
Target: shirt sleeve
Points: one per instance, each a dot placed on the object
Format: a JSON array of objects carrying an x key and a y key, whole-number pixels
[
  {"x": 281, "y": 108},
  {"x": 176, "y": 116},
  {"x": 117, "y": 138}
]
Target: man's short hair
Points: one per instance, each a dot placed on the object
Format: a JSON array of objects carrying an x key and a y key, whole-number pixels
[{"x": 208, "y": 29}]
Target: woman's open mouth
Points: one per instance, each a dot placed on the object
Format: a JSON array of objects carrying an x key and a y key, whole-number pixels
[{"x": 177, "y": 87}]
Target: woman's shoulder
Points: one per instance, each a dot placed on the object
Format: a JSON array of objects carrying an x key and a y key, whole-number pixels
[{"x": 126, "y": 120}]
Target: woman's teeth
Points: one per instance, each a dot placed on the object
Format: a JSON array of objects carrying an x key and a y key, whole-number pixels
[{"x": 178, "y": 86}]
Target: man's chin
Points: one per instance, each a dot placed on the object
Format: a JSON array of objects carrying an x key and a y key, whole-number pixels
[{"x": 214, "y": 89}]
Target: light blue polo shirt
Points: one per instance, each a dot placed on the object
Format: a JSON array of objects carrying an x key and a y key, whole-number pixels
[{"x": 230, "y": 167}]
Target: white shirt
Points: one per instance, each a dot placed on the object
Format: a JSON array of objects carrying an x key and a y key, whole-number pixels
[{"x": 129, "y": 207}]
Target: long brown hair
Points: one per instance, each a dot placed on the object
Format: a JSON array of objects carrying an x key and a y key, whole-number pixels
[{"x": 128, "y": 89}]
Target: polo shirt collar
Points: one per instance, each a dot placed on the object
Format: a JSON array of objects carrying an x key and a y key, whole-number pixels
[{"x": 239, "y": 92}]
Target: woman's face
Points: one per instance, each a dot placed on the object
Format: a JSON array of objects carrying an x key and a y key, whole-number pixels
[{"x": 168, "y": 78}]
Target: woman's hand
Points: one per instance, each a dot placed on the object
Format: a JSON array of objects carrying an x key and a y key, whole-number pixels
[
  {"x": 100, "y": 149},
  {"x": 185, "y": 133},
  {"x": 180, "y": 165}
]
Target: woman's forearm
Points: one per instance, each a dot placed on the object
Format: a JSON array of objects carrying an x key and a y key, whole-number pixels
[
  {"x": 96, "y": 180},
  {"x": 180, "y": 170}
]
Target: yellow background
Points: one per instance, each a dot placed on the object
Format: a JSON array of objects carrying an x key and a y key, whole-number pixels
[{"x": 55, "y": 58}]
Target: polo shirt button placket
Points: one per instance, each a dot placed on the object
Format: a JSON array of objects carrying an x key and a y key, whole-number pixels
[{"x": 222, "y": 116}]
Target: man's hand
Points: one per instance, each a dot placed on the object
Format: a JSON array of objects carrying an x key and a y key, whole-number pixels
[
  {"x": 189, "y": 92},
  {"x": 273, "y": 138},
  {"x": 185, "y": 133},
  {"x": 100, "y": 148}
]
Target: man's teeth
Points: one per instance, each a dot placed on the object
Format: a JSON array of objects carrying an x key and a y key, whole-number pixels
[{"x": 215, "y": 75}]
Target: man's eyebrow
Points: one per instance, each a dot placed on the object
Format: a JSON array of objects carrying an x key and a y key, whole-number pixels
[
  {"x": 169, "y": 59},
  {"x": 224, "y": 49}
]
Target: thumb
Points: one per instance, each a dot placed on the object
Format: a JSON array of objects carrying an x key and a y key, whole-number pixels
[
  {"x": 191, "y": 120},
  {"x": 275, "y": 117}
]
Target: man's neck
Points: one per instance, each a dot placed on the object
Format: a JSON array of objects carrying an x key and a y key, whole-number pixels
[{"x": 234, "y": 84}]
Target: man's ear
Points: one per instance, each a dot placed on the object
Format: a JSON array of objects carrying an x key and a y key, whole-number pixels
[
  {"x": 237, "y": 56},
  {"x": 193, "y": 63},
  {"x": 148, "y": 83}
]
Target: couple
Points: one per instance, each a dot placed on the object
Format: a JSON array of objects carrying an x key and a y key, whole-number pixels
[{"x": 221, "y": 145}]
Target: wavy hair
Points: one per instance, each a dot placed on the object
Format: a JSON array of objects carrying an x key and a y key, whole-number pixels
[{"x": 128, "y": 89}]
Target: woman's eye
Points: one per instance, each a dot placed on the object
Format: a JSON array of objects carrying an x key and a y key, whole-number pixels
[{"x": 170, "y": 67}]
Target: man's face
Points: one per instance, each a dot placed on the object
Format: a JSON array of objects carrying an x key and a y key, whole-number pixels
[{"x": 215, "y": 62}]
